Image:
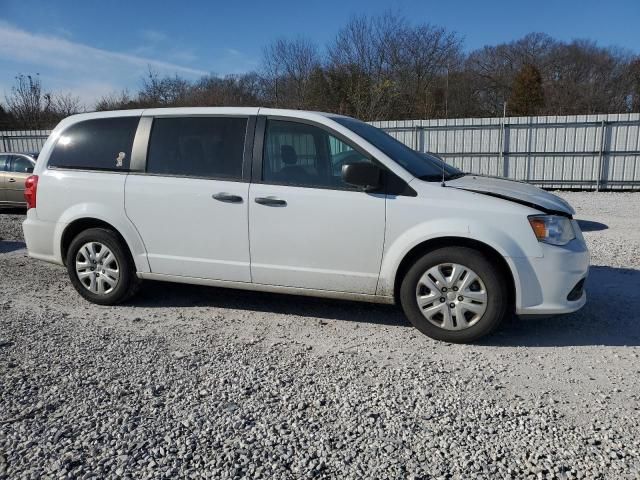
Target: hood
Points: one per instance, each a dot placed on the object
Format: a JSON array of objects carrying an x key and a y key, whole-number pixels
[{"x": 518, "y": 192}]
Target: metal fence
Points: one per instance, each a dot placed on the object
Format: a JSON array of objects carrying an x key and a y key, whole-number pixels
[
  {"x": 598, "y": 152},
  {"x": 22, "y": 141}
]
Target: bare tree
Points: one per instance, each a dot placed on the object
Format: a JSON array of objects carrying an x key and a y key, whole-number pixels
[
  {"x": 116, "y": 101},
  {"x": 384, "y": 67},
  {"x": 427, "y": 56},
  {"x": 577, "y": 77},
  {"x": 493, "y": 69},
  {"x": 31, "y": 107},
  {"x": 28, "y": 105},
  {"x": 588, "y": 79},
  {"x": 64, "y": 104},
  {"x": 361, "y": 59},
  {"x": 238, "y": 90},
  {"x": 393, "y": 68},
  {"x": 162, "y": 91},
  {"x": 633, "y": 74},
  {"x": 288, "y": 66}
]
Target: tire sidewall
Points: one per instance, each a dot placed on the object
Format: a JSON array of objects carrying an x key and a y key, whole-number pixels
[
  {"x": 494, "y": 283},
  {"x": 114, "y": 244}
]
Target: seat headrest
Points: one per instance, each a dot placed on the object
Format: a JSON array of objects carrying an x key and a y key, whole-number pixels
[{"x": 288, "y": 154}]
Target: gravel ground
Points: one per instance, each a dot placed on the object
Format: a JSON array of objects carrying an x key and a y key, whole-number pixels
[{"x": 204, "y": 382}]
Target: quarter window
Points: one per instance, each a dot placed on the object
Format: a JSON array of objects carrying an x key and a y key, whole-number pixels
[
  {"x": 210, "y": 147},
  {"x": 305, "y": 155},
  {"x": 98, "y": 144},
  {"x": 4, "y": 159}
]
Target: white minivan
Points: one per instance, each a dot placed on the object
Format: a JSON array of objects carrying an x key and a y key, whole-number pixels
[{"x": 302, "y": 203}]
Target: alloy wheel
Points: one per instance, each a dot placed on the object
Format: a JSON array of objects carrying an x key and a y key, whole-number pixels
[
  {"x": 97, "y": 268},
  {"x": 451, "y": 296}
]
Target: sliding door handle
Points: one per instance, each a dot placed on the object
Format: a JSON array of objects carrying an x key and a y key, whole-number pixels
[
  {"x": 227, "y": 197},
  {"x": 12, "y": 180},
  {"x": 271, "y": 201}
]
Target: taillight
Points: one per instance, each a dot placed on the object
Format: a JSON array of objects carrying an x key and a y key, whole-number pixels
[{"x": 30, "y": 191}]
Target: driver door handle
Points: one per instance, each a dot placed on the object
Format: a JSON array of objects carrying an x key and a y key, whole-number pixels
[
  {"x": 271, "y": 201},
  {"x": 227, "y": 197}
]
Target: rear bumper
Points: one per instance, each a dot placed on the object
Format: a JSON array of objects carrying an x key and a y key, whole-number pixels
[
  {"x": 547, "y": 285},
  {"x": 39, "y": 237}
]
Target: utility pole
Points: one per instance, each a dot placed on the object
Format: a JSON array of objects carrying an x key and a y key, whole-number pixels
[{"x": 446, "y": 94}]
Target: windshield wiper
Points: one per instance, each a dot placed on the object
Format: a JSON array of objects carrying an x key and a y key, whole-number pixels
[
  {"x": 437, "y": 178},
  {"x": 430, "y": 178},
  {"x": 453, "y": 176}
]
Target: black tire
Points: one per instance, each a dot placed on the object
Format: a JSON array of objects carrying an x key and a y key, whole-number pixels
[
  {"x": 495, "y": 284},
  {"x": 128, "y": 283}
]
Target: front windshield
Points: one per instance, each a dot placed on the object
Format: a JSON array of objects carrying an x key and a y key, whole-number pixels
[{"x": 422, "y": 165}]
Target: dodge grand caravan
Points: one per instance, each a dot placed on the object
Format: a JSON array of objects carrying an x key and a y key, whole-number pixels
[{"x": 302, "y": 203}]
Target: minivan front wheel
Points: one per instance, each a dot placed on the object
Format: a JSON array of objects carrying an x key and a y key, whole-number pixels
[
  {"x": 100, "y": 268},
  {"x": 454, "y": 294}
]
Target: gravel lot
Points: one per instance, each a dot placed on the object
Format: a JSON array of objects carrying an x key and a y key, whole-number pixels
[{"x": 205, "y": 382}]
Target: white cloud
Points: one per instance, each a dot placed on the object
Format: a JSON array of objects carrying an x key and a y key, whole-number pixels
[
  {"x": 182, "y": 55},
  {"x": 63, "y": 32},
  {"x": 22, "y": 46},
  {"x": 236, "y": 61},
  {"x": 66, "y": 65},
  {"x": 159, "y": 43},
  {"x": 83, "y": 70},
  {"x": 152, "y": 36}
]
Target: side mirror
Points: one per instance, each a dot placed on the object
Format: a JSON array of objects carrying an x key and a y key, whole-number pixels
[{"x": 362, "y": 174}]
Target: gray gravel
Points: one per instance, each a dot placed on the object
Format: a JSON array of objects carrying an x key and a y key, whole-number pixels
[{"x": 203, "y": 382}]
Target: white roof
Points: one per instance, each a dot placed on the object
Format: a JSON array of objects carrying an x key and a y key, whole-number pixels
[
  {"x": 282, "y": 112},
  {"x": 175, "y": 111}
]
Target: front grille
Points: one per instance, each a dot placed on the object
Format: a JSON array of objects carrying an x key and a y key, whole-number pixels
[{"x": 576, "y": 292}]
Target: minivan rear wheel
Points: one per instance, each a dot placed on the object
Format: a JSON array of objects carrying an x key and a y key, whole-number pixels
[
  {"x": 454, "y": 294},
  {"x": 100, "y": 267}
]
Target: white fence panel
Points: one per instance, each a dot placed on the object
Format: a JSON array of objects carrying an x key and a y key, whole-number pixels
[
  {"x": 23, "y": 141},
  {"x": 579, "y": 151}
]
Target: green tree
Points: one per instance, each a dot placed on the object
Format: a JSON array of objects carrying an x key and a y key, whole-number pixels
[
  {"x": 6, "y": 121},
  {"x": 527, "y": 94},
  {"x": 634, "y": 73}
]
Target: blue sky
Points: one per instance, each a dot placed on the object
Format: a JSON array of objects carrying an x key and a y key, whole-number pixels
[{"x": 92, "y": 47}]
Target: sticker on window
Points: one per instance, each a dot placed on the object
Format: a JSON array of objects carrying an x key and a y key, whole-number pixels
[{"x": 120, "y": 159}]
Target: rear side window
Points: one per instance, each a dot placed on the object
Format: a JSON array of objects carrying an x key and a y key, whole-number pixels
[
  {"x": 21, "y": 165},
  {"x": 99, "y": 144},
  {"x": 4, "y": 159},
  {"x": 209, "y": 147}
]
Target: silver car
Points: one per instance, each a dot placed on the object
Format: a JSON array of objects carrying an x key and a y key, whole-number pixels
[{"x": 14, "y": 170}]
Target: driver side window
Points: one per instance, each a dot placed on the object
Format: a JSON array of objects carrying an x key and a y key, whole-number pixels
[
  {"x": 299, "y": 154},
  {"x": 342, "y": 153}
]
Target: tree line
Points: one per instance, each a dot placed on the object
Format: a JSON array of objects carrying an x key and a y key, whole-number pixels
[{"x": 382, "y": 68}]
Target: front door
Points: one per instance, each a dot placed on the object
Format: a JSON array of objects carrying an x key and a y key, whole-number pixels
[
  {"x": 4, "y": 174},
  {"x": 308, "y": 229},
  {"x": 190, "y": 206}
]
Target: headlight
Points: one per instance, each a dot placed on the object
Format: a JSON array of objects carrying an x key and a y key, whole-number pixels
[{"x": 552, "y": 229}]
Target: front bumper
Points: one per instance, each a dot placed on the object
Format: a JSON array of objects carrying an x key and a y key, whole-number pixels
[{"x": 547, "y": 285}]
